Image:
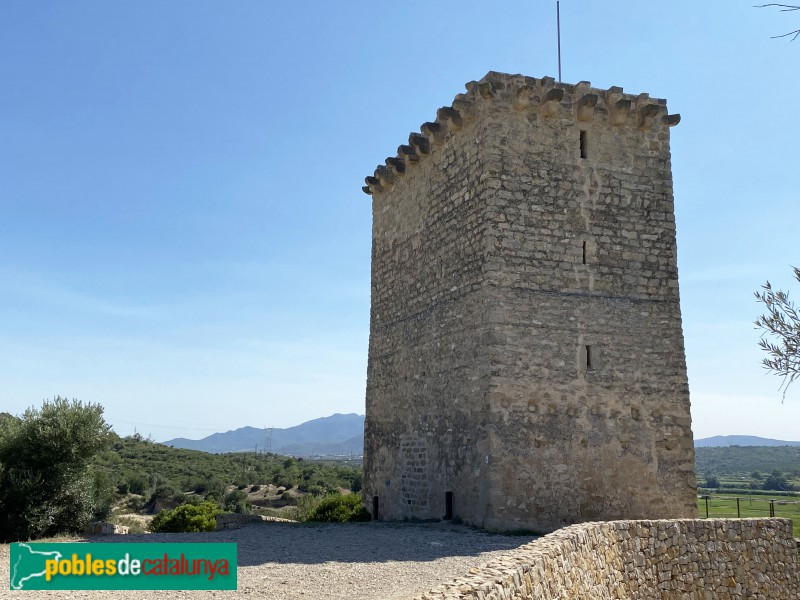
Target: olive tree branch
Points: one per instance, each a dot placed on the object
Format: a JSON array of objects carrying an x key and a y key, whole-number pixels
[
  {"x": 782, "y": 323},
  {"x": 783, "y": 8}
]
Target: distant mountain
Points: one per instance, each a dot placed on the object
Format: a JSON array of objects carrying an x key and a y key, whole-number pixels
[
  {"x": 722, "y": 441},
  {"x": 337, "y": 435}
]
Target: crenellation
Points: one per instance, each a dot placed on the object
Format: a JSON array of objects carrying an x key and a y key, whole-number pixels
[
  {"x": 450, "y": 118},
  {"x": 385, "y": 176},
  {"x": 529, "y": 96},
  {"x": 647, "y": 114},
  {"x": 420, "y": 143},
  {"x": 397, "y": 165},
  {"x": 550, "y": 101},
  {"x": 619, "y": 111},
  {"x": 585, "y": 107},
  {"x": 434, "y": 131}
]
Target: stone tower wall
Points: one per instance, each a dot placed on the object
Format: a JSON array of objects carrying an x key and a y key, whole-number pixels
[
  {"x": 426, "y": 387},
  {"x": 526, "y": 351}
]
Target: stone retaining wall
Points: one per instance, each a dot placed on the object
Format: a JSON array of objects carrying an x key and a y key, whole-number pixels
[
  {"x": 236, "y": 520},
  {"x": 104, "y": 528},
  {"x": 680, "y": 559}
]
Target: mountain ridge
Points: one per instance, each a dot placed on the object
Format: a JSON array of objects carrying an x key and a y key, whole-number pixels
[
  {"x": 342, "y": 434},
  {"x": 721, "y": 441},
  {"x": 336, "y": 435}
]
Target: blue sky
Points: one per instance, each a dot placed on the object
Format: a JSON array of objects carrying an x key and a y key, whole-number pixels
[{"x": 183, "y": 236}]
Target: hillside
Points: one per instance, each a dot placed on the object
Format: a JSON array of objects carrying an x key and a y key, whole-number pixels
[
  {"x": 337, "y": 435},
  {"x": 740, "y": 440},
  {"x": 139, "y": 466},
  {"x": 743, "y": 460}
]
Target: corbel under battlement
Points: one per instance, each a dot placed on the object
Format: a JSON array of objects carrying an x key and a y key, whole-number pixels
[{"x": 546, "y": 97}]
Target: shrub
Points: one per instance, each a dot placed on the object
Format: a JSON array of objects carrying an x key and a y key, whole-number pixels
[
  {"x": 303, "y": 507},
  {"x": 213, "y": 488},
  {"x": 164, "y": 491},
  {"x": 137, "y": 483},
  {"x": 45, "y": 485},
  {"x": 288, "y": 498},
  {"x": 338, "y": 508},
  {"x": 186, "y": 518},
  {"x": 236, "y": 501}
]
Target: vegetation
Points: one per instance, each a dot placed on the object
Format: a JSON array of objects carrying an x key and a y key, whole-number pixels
[
  {"x": 62, "y": 467},
  {"x": 46, "y": 485},
  {"x": 338, "y": 508},
  {"x": 724, "y": 505},
  {"x": 139, "y": 466},
  {"x": 154, "y": 478},
  {"x": 776, "y": 481},
  {"x": 782, "y": 323},
  {"x": 747, "y": 464},
  {"x": 187, "y": 518}
]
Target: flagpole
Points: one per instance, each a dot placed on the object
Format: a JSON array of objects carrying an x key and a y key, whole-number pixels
[{"x": 558, "y": 27}]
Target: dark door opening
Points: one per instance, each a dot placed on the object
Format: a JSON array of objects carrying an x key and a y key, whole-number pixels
[
  {"x": 448, "y": 506},
  {"x": 375, "y": 513}
]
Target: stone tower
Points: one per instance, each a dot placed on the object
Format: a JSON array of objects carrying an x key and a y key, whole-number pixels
[{"x": 526, "y": 359}]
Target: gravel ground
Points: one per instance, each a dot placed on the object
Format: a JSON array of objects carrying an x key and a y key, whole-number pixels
[{"x": 387, "y": 561}]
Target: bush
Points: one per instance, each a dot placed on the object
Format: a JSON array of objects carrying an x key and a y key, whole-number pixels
[
  {"x": 288, "y": 498},
  {"x": 135, "y": 482},
  {"x": 213, "y": 488},
  {"x": 45, "y": 484},
  {"x": 186, "y": 518},
  {"x": 103, "y": 495},
  {"x": 337, "y": 508},
  {"x": 236, "y": 501},
  {"x": 164, "y": 491},
  {"x": 303, "y": 507}
]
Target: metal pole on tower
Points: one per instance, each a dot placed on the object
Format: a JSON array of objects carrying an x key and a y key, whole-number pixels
[{"x": 558, "y": 27}]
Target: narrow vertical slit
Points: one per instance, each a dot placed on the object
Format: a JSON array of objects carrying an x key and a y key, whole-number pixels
[
  {"x": 448, "y": 506},
  {"x": 375, "y": 513},
  {"x": 583, "y": 144},
  {"x": 588, "y": 357},
  {"x": 584, "y": 252}
]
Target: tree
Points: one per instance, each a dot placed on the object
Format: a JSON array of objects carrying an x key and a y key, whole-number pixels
[
  {"x": 776, "y": 481},
  {"x": 784, "y": 8},
  {"x": 782, "y": 322},
  {"x": 712, "y": 481},
  {"x": 45, "y": 483}
]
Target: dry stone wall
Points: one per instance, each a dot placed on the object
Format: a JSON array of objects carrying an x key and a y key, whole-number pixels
[
  {"x": 643, "y": 560},
  {"x": 526, "y": 360}
]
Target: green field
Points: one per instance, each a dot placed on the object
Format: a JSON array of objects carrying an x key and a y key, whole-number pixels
[{"x": 724, "y": 505}]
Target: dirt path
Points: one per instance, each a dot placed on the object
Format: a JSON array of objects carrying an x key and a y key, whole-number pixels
[{"x": 320, "y": 561}]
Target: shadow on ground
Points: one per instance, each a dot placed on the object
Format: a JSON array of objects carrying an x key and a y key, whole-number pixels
[{"x": 308, "y": 543}]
